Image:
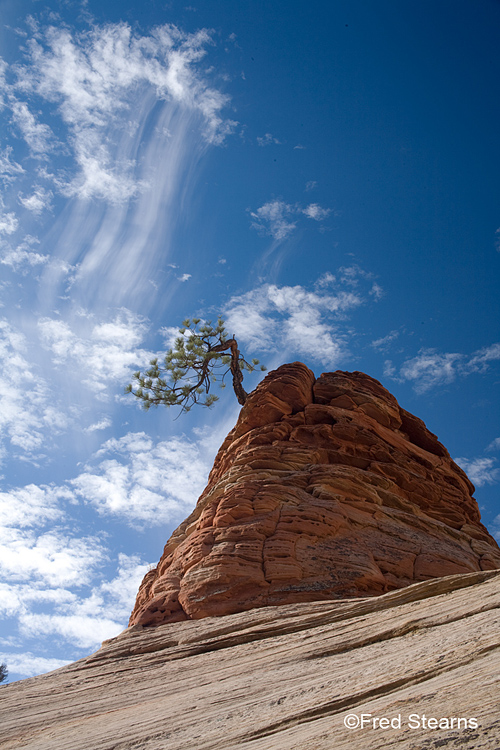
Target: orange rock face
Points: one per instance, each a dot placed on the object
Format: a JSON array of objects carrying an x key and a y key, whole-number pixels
[{"x": 326, "y": 488}]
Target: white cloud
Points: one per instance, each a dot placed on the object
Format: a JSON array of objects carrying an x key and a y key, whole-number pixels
[
  {"x": 480, "y": 470},
  {"x": 314, "y": 211},
  {"x": 94, "y": 79},
  {"x": 38, "y": 136},
  {"x": 275, "y": 217},
  {"x": 53, "y": 557},
  {"x": 31, "y": 505},
  {"x": 353, "y": 275},
  {"x": 389, "y": 369},
  {"x": 8, "y": 223},
  {"x": 28, "y": 664},
  {"x": 85, "y": 621},
  {"x": 376, "y": 291},
  {"x": 8, "y": 220},
  {"x": 19, "y": 597},
  {"x": 494, "y": 445},
  {"x": 22, "y": 257},
  {"x": 9, "y": 170},
  {"x": 326, "y": 279},
  {"x": 102, "y": 424},
  {"x": 267, "y": 140},
  {"x": 169, "y": 335},
  {"x": 429, "y": 369},
  {"x": 384, "y": 342},
  {"x": 184, "y": 277},
  {"x": 39, "y": 201},
  {"x": 293, "y": 320},
  {"x": 26, "y": 402},
  {"x": 122, "y": 590},
  {"x": 311, "y": 185},
  {"x": 45, "y": 557},
  {"x": 50, "y": 575},
  {"x": 481, "y": 359},
  {"x": 141, "y": 482},
  {"x": 85, "y": 632},
  {"x": 102, "y": 353},
  {"x": 271, "y": 218}
]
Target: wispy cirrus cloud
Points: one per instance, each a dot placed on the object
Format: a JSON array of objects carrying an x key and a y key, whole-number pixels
[
  {"x": 118, "y": 122},
  {"x": 92, "y": 77},
  {"x": 384, "y": 342}
]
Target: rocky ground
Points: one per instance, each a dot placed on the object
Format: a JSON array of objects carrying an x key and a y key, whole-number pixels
[{"x": 283, "y": 678}]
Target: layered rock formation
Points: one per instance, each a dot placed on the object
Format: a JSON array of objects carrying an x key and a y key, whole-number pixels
[
  {"x": 283, "y": 678},
  {"x": 326, "y": 488}
]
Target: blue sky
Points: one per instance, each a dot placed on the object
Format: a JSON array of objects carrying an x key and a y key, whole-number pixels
[{"x": 325, "y": 175}]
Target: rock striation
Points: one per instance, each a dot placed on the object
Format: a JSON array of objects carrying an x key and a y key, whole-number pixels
[
  {"x": 283, "y": 678},
  {"x": 325, "y": 489}
]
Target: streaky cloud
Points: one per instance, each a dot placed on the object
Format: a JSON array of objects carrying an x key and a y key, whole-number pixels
[{"x": 123, "y": 120}]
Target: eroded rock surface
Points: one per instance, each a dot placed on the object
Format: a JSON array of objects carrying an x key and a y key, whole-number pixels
[
  {"x": 326, "y": 488},
  {"x": 283, "y": 678}
]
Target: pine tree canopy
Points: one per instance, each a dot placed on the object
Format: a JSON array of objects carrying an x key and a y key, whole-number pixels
[{"x": 203, "y": 354}]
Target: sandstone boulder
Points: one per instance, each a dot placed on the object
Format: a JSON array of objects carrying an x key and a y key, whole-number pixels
[{"x": 325, "y": 489}]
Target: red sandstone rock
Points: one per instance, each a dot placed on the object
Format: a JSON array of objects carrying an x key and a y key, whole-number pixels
[{"x": 324, "y": 489}]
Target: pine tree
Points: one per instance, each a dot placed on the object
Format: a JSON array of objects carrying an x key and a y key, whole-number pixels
[{"x": 202, "y": 354}]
